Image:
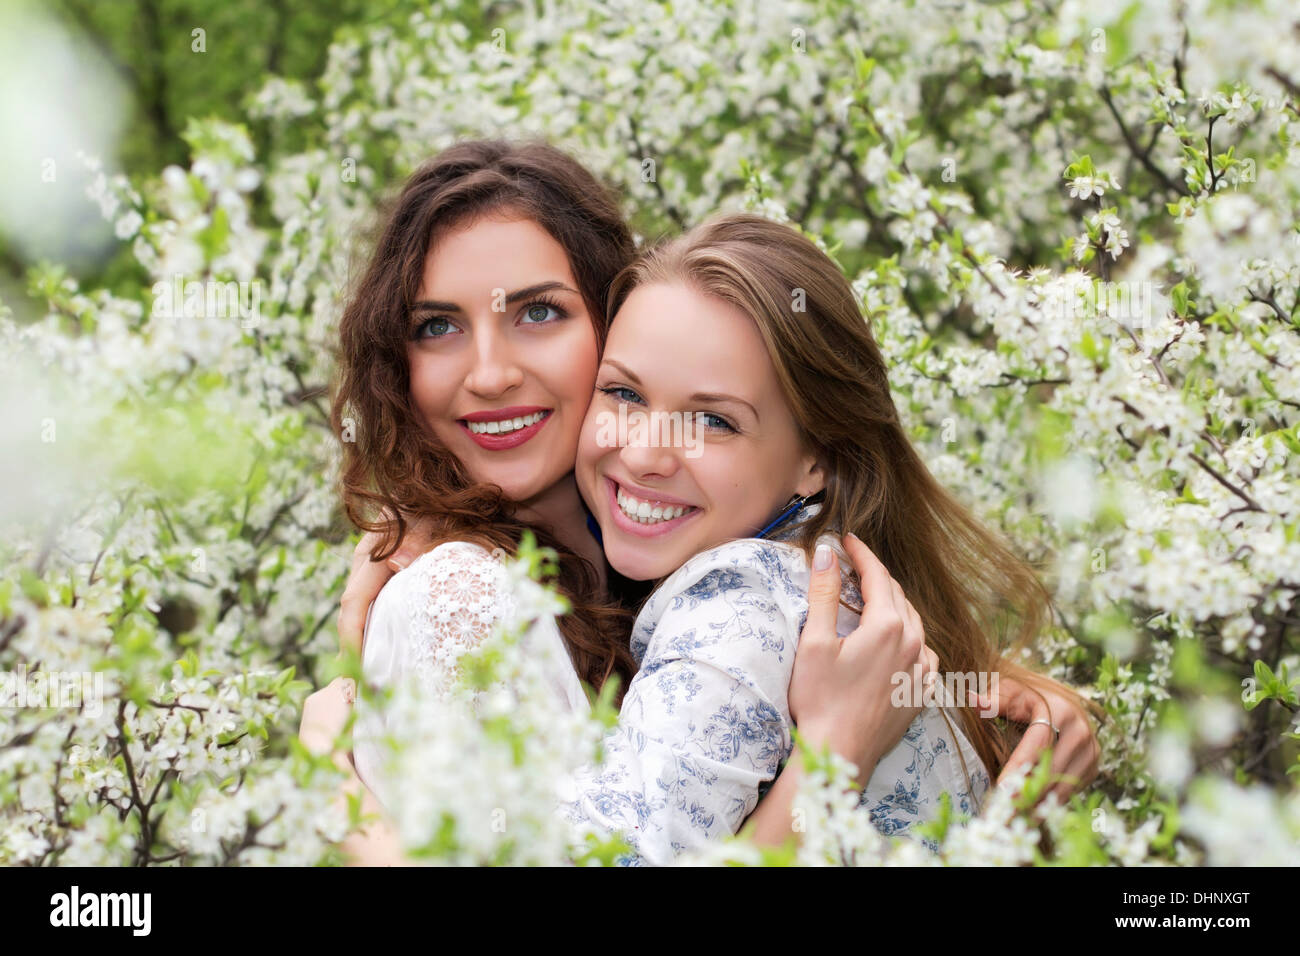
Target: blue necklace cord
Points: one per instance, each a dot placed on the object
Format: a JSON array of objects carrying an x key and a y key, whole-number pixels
[
  {"x": 594, "y": 528},
  {"x": 795, "y": 505}
]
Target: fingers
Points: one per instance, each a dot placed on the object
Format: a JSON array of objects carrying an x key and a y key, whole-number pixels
[
  {"x": 872, "y": 574},
  {"x": 1073, "y": 761},
  {"x": 325, "y": 714},
  {"x": 1069, "y": 781},
  {"x": 1093, "y": 766},
  {"x": 911, "y": 617},
  {"x": 931, "y": 662},
  {"x": 819, "y": 632},
  {"x": 918, "y": 676},
  {"x": 365, "y": 582},
  {"x": 900, "y": 602},
  {"x": 913, "y": 642},
  {"x": 368, "y": 577},
  {"x": 362, "y": 588},
  {"x": 1029, "y": 707},
  {"x": 880, "y": 630},
  {"x": 915, "y": 628},
  {"x": 1012, "y": 701},
  {"x": 1077, "y": 755},
  {"x": 416, "y": 541},
  {"x": 420, "y": 535},
  {"x": 1033, "y": 742}
]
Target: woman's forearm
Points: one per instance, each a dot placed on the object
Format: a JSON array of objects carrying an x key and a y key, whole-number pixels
[
  {"x": 773, "y": 822},
  {"x": 375, "y": 842}
]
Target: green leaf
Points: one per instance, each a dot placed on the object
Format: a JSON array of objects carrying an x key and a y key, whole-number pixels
[
  {"x": 35, "y": 589},
  {"x": 1181, "y": 299}
]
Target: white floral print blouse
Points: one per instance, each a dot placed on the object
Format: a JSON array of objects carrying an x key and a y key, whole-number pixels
[{"x": 705, "y": 724}]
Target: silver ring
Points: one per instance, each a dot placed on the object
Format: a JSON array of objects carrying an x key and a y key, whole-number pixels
[{"x": 1056, "y": 731}]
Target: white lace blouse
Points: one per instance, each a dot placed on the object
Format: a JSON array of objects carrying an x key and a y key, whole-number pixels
[
  {"x": 705, "y": 723},
  {"x": 426, "y": 616}
]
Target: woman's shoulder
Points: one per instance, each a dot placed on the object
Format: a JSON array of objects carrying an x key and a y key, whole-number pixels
[
  {"x": 745, "y": 564},
  {"x": 452, "y": 594},
  {"x": 779, "y": 566},
  {"x": 749, "y": 577},
  {"x": 462, "y": 566},
  {"x": 461, "y": 553}
]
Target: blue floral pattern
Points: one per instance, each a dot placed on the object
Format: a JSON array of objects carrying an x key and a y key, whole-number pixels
[{"x": 706, "y": 725}]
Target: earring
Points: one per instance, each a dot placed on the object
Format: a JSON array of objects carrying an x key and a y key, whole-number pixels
[{"x": 794, "y": 504}]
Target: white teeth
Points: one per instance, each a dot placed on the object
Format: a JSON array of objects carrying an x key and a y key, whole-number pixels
[
  {"x": 644, "y": 512},
  {"x": 505, "y": 425}
]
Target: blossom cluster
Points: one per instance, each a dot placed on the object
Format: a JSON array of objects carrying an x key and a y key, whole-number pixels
[{"x": 1073, "y": 230}]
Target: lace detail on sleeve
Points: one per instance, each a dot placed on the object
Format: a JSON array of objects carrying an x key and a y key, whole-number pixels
[{"x": 457, "y": 594}]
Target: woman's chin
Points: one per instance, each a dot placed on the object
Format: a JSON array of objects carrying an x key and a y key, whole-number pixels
[
  {"x": 516, "y": 484},
  {"x": 631, "y": 561}
]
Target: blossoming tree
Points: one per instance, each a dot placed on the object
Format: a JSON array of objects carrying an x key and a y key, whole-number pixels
[{"x": 1073, "y": 228}]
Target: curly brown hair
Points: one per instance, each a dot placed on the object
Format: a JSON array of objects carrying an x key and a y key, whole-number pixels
[{"x": 393, "y": 465}]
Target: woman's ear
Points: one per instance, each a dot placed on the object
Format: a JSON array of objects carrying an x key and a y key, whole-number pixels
[{"x": 812, "y": 477}]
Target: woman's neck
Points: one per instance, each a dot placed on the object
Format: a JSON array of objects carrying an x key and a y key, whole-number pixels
[{"x": 560, "y": 510}]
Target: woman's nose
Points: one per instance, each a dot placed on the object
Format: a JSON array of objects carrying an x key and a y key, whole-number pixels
[
  {"x": 648, "y": 451},
  {"x": 496, "y": 369}
]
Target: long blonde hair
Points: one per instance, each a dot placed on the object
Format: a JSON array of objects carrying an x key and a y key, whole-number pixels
[{"x": 977, "y": 599}]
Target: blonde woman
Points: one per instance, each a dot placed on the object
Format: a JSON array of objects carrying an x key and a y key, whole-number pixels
[{"x": 742, "y": 344}]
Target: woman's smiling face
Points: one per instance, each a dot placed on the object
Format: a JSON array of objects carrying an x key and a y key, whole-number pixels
[
  {"x": 710, "y": 451},
  {"x": 503, "y": 353}
]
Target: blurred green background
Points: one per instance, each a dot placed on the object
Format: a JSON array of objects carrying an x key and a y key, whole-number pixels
[{"x": 141, "y": 54}]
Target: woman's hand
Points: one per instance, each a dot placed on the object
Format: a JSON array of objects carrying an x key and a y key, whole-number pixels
[
  {"x": 325, "y": 715},
  {"x": 1074, "y": 758},
  {"x": 842, "y": 691},
  {"x": 368, "y": 578}
]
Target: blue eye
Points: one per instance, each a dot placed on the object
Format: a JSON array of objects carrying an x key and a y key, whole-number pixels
[
  {"x": 434, "y": 328},
  {"x": 540, "y": 312},
  {"x": 622, "y": 393},
  {"x": 715, "y": 422}
]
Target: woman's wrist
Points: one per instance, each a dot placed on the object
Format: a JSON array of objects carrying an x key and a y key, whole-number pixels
[{"x": 839, "y": 738}]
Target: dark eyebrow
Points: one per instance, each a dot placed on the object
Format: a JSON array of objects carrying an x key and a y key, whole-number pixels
[
  {"x": 697, "y": 397},
  {"x": 429, "y": 305},
  {"x": 538, "y": 289}
]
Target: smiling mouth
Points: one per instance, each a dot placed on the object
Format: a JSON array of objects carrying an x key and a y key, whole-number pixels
[
  {"x": 648, "y": 511},
  {"x": 505, "y": 429},
  {"x": 505, "y": 426}
]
